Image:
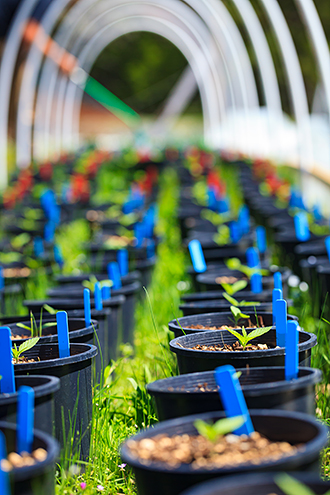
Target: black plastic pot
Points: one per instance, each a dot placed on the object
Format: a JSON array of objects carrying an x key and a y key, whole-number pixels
[
  {"x": 243, "y": 295},
  {"x": 130, "y": 291},
  {"x": 66, "y": 281},
  {"x": 208, "y": 280},
  {"x": 264, "y": 388},
  {"x": 219, "y": 319},
  {"x": 288, "y": 241},
  {"x": 110, "y": 325},
  {"x": 256, "y": 484},
  {"x": 214, "y": 253},
  {"x": 145, "y": 268},
  {"x": 38, "y": 479},
  {"x": 44, "y": 388},
  {"x": 78, "y": 332},
  {"x": 190, "y": 360},
  {"x": 10, "y": 298},
  {"x": 296, "y": 428},
  {"x": 73, "y": 402},
  {"x": 218, "y": 305}
]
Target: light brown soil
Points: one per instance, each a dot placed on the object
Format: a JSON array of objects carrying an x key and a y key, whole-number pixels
[
  {"x": 230, "y": 450},
  {"x": 226, "y": 347},
  {"x": 15, "y": 460}
]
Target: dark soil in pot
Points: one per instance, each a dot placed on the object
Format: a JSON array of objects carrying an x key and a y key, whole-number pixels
[
  {"x": 263, "y": 388},
  {"x": 38, "y": 479},
  {"x": 44, "y": 389},
  {"x": 191, "y": 360},
  {"x": 213, "y": 321},
  {"x": 256, "y": 484},
  {"x": 158, "y": 478},
  {"x": 74, "y": 399}
]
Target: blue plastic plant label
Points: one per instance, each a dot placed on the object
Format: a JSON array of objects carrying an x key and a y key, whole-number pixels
[
  {"x": 301, "y": 227},
  {"x": 197, "y": 256}
]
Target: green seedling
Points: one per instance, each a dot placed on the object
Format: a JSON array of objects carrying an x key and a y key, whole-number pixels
[
  {"x": 237, "y": 314},
  {"x": 245, "y": 337},
  {"x": 213, "y": 432},
  {"x": 25, "y": 346},
  {"x": 222, "y": 237},
  {"x": 90, "y": 284},
  {"x": 20, "y": 240},
  {"x": 34, "y": 329},
  {"x": 292, "y": 486},
  {"x": 235, "y": 264},
  {"x": 231, "y": 289}
]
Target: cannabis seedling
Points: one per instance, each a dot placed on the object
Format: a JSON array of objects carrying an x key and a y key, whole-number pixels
[
  {"x": 213, "y": 432},
  {"x": 245, "y": 338},
  {"x": 27, "y": 345}
]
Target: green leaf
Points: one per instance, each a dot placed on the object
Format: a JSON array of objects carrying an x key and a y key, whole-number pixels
[
  {"x": 236, "y": 334},
  {"x": 291, "y": 486},
  {"x": 27, "y": 345},
  {"x": 239, "y": 285},
  {"x": 235, "y": 312},
  {"x": 258, "y": 332},
  {"x": 50, "y": 310},
  {"x": 21, "y": 325},
  {"x": 133, "y": 382},
  {"x": 233, "y": 263},
  {"x": 223, "y": 426},
  {"x": 249, "y": 303},
  {"x": 49, "y": 324},
  {"x": 230, "y": 299},
  {"x": 244, "y": 332}
]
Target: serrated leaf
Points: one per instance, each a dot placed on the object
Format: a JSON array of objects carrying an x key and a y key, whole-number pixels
[
  {"x": 258, "y": 332},
  {"x": 292, "y": 486},
  {"x": 230, "y": 299}
]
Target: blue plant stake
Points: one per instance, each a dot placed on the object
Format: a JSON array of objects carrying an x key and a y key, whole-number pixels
[
  {"x": 7, "y": 382},
  {"x": 261, "y": 239},
  {"x": 278, "y": 280},
  {"x": 4, "y": 478},
  {"x": 106, "y": 292},
  {"x": 63, "y": 334},
  {"x": 38, "y": 247},
  {"x": 256, "y": 283},
  {"x": 138, "y": 234},
  {"x": 87, "y": 306},
  {"x": 114, "y": 275},
  {"x": 98, "y": 297},
  {"x": 212, "y": 202},
  {"x": 197, "y": 256},
  {"x": 232, "y": 397},
  {"x": 150, "y": 249},
  {"x": 252, "y": 257},
  {"x": 223, "y": 205},
  {"x": 277, "y": 294},
  {"x": 25, "y": 419},
  {"x": 235, "y": 232},
  {"x": 291, "y": 351},
  {"x": 2, "y": 278},
  {"x": 281, "y": 321},
  {"x": 327, "y": 245},
  {"x": 58, "y": 256},
  {"x": 244, "y": 219},
  {"x": 301, "y": 227},
  {"x": 122, "y": 258}
]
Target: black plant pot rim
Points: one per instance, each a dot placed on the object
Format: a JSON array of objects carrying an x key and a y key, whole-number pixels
[
  {"x": 67, "y": 304},
  {"x": 52, "y": 385},
  {"x": 278, "y": 351},
  {"x": 174, "y": 326},
  {"x": 25, "y": 472},
  {"x": 312, "y": 447},
  {"x": 74, "y": 334},
  {"x": 218, "y": 295},
  {"x": 88, "y": 352},
  {"x": 239, "y": 481},
  {"x": 313, "y": 376}
]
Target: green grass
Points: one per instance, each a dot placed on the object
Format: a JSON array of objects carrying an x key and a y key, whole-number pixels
[{"x": 121, "y": 404}]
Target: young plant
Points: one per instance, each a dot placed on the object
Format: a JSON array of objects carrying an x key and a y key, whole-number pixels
[
  {"x": 292, "y": 486},
  {"x": 235, "y": 264},
  {"x": 245, "y": 338},
  {"x": 213, "y": 432},
  {"x": 25, "y": 346},
  {"x": 34, "y": 329},
  {"x": 90, "y": 284},
  {"x": 237, "y": 314},
  {"x": 231, "y": 289}
]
